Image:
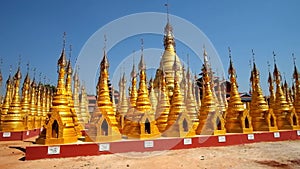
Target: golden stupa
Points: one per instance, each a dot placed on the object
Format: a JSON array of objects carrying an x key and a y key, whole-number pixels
[
  {"x": 211, "y": 121},
  {"x": 103, "y": 126},
  {"x": 142, "y": 125},
  {"x": 179, "y": 123},
  {"x": 12, "y": 119},
  {"x": 262, "y": 118},
  {"x": 286, "y": 117},
  {"x": 237, "y": 118},
  {"x": 60, "y": 127}
]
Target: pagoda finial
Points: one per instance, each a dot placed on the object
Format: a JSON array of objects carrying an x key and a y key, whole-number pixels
[
  {"x": 274, "y": 57},
  {"x": 142, "y": 62},
  {"x": 253, "y": 54},
  {"x": 64, "y": 39},
  {"x": 167, "y": 8},
  {"x": 70, "y": 50}
]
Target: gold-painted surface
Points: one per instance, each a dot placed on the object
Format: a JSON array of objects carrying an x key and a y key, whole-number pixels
[
  {"x": 13, "y": 120},
  {"x": 190, "y": 102},
  {"x": 163, "y": 107},
  {"x": 69, "y": 94},
  {"x": 103, "y": 126},
  {"x": 262, "y": 118},
  {"x": 60, "y": 128},
  {"x": 123, "y": 104},
  {"x": 211, "y": 121},
  {"x": 167, "y": 60},
  {"x": 6, "y": 102},
  {"x": 143, "y": 124},
  {"x": 25, "y": 103},
  {"x": 237, "y": 118},
  {"x": 281, "y": 108},
  {"x": 84, "y": 111}
]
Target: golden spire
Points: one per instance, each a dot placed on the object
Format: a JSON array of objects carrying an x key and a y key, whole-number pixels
[
  {"x": 76, "y": 88},
  {"x": 271, "y": 89},
  {"x": 133, "y": 91},
  {"x": 296, "y": 86},
  {"x": 235, "y": 103},
  {"x": 14, "y": 119},
  {"x": 123, "y": 108},
  {"x": 152, "y": 96},
  {"x": 38, "y": 122},
  {"x": 163, "y": 106},
  {"x": 7, "y": 100},
  {"x": 33, "y": 108},
  {"x": 167, "y": 59},
  {"x": 142, "y": 101},
  {"x": 190, "y": 102},
  {"x": 280, "y": 102},
  {"x": 25, "y": 101},
  {"x": 258, "y": 102},
  {"x": 69, "y": 94}
]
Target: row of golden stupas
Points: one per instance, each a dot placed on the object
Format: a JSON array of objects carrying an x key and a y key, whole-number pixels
[
  {"x": 171, "y": 106},
  {"x": 31, "y": 107}
]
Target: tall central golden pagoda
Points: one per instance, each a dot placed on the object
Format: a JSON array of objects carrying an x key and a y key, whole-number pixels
[
  {"x": 237, "y": 118},
  {"x": 297, "y": 91},
  {"x": 103, "y": 126},
  {"x": 60, "y": 128},
  {"x": 167, "y": 61}
]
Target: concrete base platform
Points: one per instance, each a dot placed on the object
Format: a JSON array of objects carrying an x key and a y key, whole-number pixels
[
  {"x": 19, "y": 135},
  {"x": 164, "y": 143}
]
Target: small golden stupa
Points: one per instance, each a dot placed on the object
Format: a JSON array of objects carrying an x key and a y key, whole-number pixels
[
  {"x": 163, "y": 107},
  {"x": 60, "y": 128},
  {"x": 25, "y": 103},
  {"x": 237, "y": 118},
  {"x": 211, "y": 121},
  {"x": 13, "y": 119},
  {"x": 286, "y": 117},
  {"x": 179, "y": 123},
  {"x": 123, "y": 103},
  {"x": 262, "y": 118},
  {"x": 69, "y": 94},
  {"x": 103, "y": 126},
  {"x": 143, "y": 123}
]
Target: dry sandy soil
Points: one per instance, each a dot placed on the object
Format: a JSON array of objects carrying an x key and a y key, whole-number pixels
[{"x": 284, "y": 155}]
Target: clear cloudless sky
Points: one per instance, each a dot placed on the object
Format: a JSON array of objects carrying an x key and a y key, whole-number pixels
[{"x": 34, "y": 28}]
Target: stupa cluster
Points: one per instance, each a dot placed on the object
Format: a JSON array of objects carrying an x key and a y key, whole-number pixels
[
  {"x": 31, "y": 107},
  {"x": 170, "y": 105}
]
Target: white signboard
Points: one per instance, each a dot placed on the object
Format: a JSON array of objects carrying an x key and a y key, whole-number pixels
[
  {"x": 221, "y": 139},
  {"x": 148, "y": 144},
  {"x": 276, "y": 134},
  {"x": 54, "y": 150},
  {"x": 187, "y": 141},
  {"x": 104, "y": 147},
  {"x": 27, "y": 133},
  {"x": 250, "y": 136},
  {"x": 6, "y": 134},
  {"x": 298, "y": 132}
]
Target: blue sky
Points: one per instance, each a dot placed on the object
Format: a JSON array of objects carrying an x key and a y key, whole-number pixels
[{"x": 34, "y": 28}]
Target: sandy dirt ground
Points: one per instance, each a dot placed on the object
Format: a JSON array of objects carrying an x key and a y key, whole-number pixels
[{"x": 282, "y": 155}]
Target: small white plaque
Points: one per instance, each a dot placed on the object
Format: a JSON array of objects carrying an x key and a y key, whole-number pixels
[
  {"x": 27, "y": 133},
  {"x": 298, "y": 132},
  {"x": 187, "y": 141},
  {"x": 6, "y": 134},
  {"x": 221, "y": 139},
  {"x": 148, "y": 144},
  {"x": 250, "y": 136},
  {"x": 276, "y": 134},
  {"x": 54, "y": 150},
  {"x": 104, "y": 147}
]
